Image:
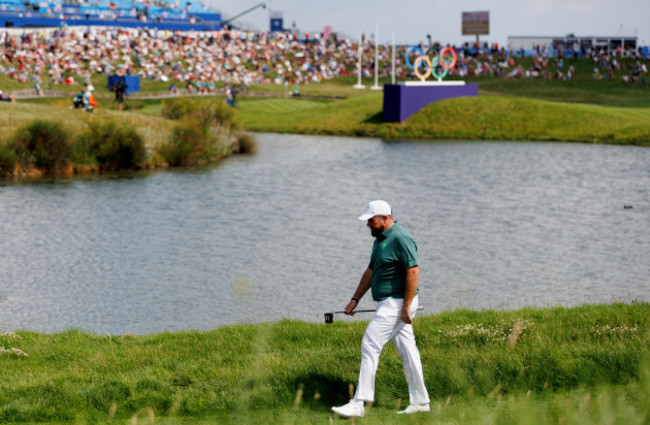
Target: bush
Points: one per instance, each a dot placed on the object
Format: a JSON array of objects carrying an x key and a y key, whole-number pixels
[
  {"x": 83, "y": 152},
  {"x": 203, "y": 112},
  {"x": 177, "y": 108},
  {"x": 185, "y": 145},
  {"x": 205, "y": 133},
  {"x": 7, "y": 160},
  {"x": 245, "y": 143},
  {"x": 113, "y": 146},
  {"x": 224, "y": 114},
  {"x": 42, "y": 144}
]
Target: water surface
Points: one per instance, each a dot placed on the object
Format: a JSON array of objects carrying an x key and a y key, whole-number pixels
[{"x": 275, "y": 235}]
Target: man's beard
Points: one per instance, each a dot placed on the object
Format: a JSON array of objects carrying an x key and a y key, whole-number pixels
[{"x": 376, "y": 232}]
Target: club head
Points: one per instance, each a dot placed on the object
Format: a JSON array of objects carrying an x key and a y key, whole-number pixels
[{"x": 329, "y": 317}]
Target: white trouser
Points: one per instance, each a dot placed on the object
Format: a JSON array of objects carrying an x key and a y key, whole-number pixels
[{"x": 386, "y": 326}]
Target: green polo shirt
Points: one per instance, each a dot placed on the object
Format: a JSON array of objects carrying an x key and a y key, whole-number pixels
[{"x": 393, "y": 252}]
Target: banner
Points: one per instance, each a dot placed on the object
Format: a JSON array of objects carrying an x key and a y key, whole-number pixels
[
  {"x": 277, "y": 21},
  {"x": 327, "y": 31}
]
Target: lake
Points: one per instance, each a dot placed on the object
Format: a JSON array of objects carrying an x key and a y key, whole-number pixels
[{"x": 275, "y": 235}]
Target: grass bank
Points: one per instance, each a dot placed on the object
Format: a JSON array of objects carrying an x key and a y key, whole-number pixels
[
  {"x": 57, "y": 139},
  {"x": 487, "y": 117},
  {"x": 588, "y": 364},
  {"x": 14, "y": 115}
]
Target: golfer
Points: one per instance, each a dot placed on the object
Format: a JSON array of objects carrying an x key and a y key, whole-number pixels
[{"x": 392, "y": 275}]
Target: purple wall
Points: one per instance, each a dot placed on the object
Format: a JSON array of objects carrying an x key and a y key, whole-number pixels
[{"x": 402, "y": 101}]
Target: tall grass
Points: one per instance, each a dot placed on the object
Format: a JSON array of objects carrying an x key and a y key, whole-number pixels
[
  {"x": 204, "y": 112},
  {"x": 114, "y": 141},
  {"x": 207, "y": 130},
  {"x": 529, "y": 366},
  {"x": 111, "y": 145},
  {"x": 187, "y": 145},
  {"x": 42, "y": 144},
  {"x": 7, "y": 160}
]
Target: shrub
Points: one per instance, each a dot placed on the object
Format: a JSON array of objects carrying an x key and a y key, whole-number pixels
[
  {"x": 42, "y": 144},
  {"x": 114, "y": 146},
  {"x": 185, "y": 145},
  {"x": 7, "y": 160},
  {"x": 205, "y": 133},
  {"x": 224, "y": 114},
  {"x": 245, "y": 143},
  {"x": 202, "y": 112},
  {"x": 83, "y": 152},
  {"x": 177, "y": 108}
]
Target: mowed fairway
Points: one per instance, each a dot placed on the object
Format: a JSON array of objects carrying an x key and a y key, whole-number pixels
[
  {"x": 295, "y": 115},
  {"x": 258, "y": 113}
]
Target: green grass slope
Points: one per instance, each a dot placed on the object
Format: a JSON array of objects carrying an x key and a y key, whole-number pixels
[
  {"x": 485, "y": 117},
  {"x": 587, "y": 364}
]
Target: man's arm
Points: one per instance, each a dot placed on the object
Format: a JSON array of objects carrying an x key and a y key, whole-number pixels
[
  {"x": 363, "y": 287},
  {"x": 412, "y": 278}
]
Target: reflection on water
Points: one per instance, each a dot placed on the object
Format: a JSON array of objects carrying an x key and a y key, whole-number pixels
[{"x": 275, "y": 235}]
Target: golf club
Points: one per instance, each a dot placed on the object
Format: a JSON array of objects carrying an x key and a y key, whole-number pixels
[{"x": 329, "y": 317}]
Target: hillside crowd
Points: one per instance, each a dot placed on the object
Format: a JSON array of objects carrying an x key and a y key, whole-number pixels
[{"x": 200, "y": 60}]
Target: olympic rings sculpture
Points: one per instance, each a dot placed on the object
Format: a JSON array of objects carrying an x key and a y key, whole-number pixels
[{"x": 447, "y": 59}]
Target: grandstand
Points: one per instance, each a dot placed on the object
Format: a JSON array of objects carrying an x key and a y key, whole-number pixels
[{"x": 182, "y": 15}]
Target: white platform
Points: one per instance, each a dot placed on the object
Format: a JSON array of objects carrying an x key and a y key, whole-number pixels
[{"x": 433, "y": 83}]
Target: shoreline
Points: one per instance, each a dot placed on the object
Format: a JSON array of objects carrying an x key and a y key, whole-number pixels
[{"x": 160, "y": 142}]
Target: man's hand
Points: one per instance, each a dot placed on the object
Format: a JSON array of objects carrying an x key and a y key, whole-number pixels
[
  {"x": 406, "y": 316},
  {"x": 363, "y": 287},
  {"x": 349, "y": 309}
]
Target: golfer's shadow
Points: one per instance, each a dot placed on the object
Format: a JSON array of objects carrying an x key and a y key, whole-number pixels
[{"x": 322, "y": 391}]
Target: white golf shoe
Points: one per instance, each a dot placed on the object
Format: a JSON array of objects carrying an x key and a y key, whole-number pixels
[
  {"x": 414, "y": 408},
  {"x": 354, "y": 409}
]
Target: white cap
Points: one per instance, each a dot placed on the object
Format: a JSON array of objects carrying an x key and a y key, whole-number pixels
[{"x": 375, "y": 208}]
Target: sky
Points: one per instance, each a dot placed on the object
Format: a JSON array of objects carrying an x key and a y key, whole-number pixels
[{"x": 411, "y": 20}]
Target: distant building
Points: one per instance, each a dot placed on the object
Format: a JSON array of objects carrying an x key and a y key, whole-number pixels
[{"x": 571, "y": 42}]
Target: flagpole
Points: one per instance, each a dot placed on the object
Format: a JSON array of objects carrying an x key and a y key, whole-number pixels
[
  {"x": 359, "y": 85},
  {"x": 376, "y": 86},
  {"x": 393, "y": 60}
]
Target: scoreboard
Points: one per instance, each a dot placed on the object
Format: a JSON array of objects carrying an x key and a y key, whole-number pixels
[{"x": 476, "y": 23}]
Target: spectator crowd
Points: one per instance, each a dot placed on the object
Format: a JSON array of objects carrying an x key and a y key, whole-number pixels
[{"x": 199, "y": 60}]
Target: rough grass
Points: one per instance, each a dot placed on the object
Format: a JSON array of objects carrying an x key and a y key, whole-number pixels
[
  {"x": 154, "y": 130},
  {"x": 108, "y": 140},
  {"x": 581, "y": 365}
]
